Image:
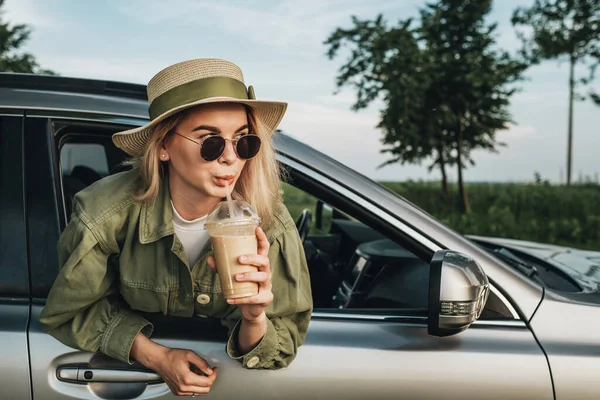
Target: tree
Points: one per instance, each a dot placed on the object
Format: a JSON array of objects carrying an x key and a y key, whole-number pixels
[
  {"x": 11, "y": 39},
  {"x": 388, "y": 63},
  {"x": 445, "y": 88},
  {"x": 563, "y": 29},
  {"x": 472, "y": 79}
]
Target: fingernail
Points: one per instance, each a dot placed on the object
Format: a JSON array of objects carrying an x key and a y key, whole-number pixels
[
  {"x": 209, "y": 371},
  {"x": 239, "y": 276},
  {"x": 230, "y": 301},
  {"x": 243, "y": 258}
]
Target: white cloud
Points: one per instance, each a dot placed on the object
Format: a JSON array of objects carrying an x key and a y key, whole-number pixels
[
  {"x": 353, "y": 139},
  {"x": 349, "y": 137},
  {"x": 345, "y": 98},
  {"x": 539, "y": 97},
  {"x": 291, "y": 26},
  {"x": 31, "y": 13},
  {"x": 516, "y": 132},
  {"x": 133, "y": 70}
]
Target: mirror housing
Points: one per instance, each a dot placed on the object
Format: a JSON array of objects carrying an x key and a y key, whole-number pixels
[{"x": 458, "y": 291}]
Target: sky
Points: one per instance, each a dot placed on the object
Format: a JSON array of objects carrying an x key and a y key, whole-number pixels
[{"x": 279, "y": 46}]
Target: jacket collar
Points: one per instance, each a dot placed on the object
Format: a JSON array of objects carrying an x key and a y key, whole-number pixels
[{"x": 156, "y": 215}]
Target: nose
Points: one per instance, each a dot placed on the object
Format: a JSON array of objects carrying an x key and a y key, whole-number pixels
[{"x": 228, "y": 157}]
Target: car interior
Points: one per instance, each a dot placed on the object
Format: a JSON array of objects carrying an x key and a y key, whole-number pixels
[{"x": 352, "y": 265}]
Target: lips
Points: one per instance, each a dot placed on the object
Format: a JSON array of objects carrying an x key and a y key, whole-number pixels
[{"x": 223, "y": 180}]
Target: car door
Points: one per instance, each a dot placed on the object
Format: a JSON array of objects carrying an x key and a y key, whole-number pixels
[
  {"x": 14, "y": 279},
  {"x": 350, "y": 352}
]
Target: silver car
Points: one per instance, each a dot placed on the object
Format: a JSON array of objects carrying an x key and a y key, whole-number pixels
[{"x": 404, "y": 306}]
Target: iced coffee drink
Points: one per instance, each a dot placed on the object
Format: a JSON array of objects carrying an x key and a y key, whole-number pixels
[{"x": 232, "y": 229}]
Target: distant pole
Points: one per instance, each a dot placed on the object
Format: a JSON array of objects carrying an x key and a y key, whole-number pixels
[{"x": 571, "y": 100}]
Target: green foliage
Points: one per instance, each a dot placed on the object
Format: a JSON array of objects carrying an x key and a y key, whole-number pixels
[
  {"x": 539, "y": 211},
  {"x": 567, "y": 29},
  {"x": 563, "y": 29},
  {"x": 445, "y": 87},
  {"x": 13, "y": 37}
]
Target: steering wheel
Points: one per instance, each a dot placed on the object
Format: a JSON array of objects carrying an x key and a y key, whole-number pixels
[{"x": 303, "y": 223}]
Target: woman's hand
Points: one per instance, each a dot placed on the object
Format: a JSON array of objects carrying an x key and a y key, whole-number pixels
[
  {"x": 175, "y": 366},
  {"x": 253, "y": 307},
  {"x": 177, "y": 370}
]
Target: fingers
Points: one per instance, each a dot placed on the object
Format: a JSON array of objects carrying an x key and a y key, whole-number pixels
[
  {"x": 199, "y": 362},
  {"x": 183, "y": 371},
  {"x": 193, "y": 382},
  {"x": 258, "y": 260},
  {"x": 263, "y": 297},
  {"x": 196, "y": 384},
  {"x": 210, "y": 260},
  {"x": 259, "y": 277},
  {"x": 263, "y": 242}
]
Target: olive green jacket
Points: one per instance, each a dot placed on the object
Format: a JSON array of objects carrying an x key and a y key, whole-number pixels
[{"x": 119, "y": 258}]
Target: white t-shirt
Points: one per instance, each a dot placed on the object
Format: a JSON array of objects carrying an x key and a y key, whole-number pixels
[{"x": 192, "y": 235}]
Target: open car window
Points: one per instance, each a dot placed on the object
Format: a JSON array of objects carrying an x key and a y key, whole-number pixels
[
  {"x": 352, "y": 265},
  {"x": 355, "y": 266}
]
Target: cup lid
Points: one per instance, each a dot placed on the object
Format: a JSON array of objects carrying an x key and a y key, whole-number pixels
[{"x": 243, "y": 214}]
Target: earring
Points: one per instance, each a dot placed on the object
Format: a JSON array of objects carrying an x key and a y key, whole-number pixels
[{"x": 163, "y": 156}]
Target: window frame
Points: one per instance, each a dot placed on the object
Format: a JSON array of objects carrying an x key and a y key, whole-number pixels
[
  {"x": 341, "y": 206},
  {"x": 69, "y": 132},
  {"x": 362, "y": 209},
  {"x": 45, "y": 201},
  {"x": 14, "y": 271},
  {"x": 391, "y": 226}
]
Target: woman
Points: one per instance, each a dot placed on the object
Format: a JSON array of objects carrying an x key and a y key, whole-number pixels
[{"x": 135, "y": 242}]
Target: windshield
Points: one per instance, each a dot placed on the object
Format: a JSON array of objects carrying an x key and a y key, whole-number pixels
[{"x": 567, "y": 270}]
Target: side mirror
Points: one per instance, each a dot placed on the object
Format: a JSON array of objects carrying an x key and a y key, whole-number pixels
[{"x": 458, "y": 291}]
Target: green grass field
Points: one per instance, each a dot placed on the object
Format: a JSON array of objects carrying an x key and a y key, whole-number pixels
[{"x": 540, "y": 212}]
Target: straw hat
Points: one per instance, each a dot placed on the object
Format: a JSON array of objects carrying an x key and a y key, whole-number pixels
[{"x": 194, "y": 82}]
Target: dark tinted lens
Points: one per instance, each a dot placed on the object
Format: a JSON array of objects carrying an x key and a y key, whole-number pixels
[
  {"x": 248, "y": 146},
  {"x": 212, "y": 148}
]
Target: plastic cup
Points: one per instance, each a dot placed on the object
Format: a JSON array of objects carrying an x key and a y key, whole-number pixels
[{"x": 231, "y": 237}]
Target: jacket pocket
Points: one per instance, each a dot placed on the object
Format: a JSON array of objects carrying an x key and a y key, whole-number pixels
[{"x": 144, "y": 297}]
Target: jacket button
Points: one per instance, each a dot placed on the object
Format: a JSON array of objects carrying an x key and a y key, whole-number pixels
[
  {"x": 203, "y": 299},
  {"x": 252, "y": 362}
]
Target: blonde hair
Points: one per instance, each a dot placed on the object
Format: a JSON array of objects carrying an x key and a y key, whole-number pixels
[{"x": 259, "y": 180}]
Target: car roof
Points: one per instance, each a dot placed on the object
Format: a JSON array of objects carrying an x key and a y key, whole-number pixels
[{"x": 47, "y": 92}]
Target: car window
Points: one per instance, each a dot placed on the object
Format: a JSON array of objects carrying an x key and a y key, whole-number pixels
[
  {"x": 83, "y": 156},
  {"x": 85, "y": 159},
  {"x": 352, "y": 265}
]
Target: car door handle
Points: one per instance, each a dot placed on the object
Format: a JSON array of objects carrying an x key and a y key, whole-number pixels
[{"x": 83, "y": 375}]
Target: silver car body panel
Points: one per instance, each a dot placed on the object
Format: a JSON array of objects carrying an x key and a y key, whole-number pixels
[
  {"x": 349, "y": 357},
  {"x": 14, "y": 351},
  {"x": 568, "y": 333}
]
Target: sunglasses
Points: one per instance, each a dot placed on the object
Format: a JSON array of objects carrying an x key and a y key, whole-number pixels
[{"x": 212, "y": 146}]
